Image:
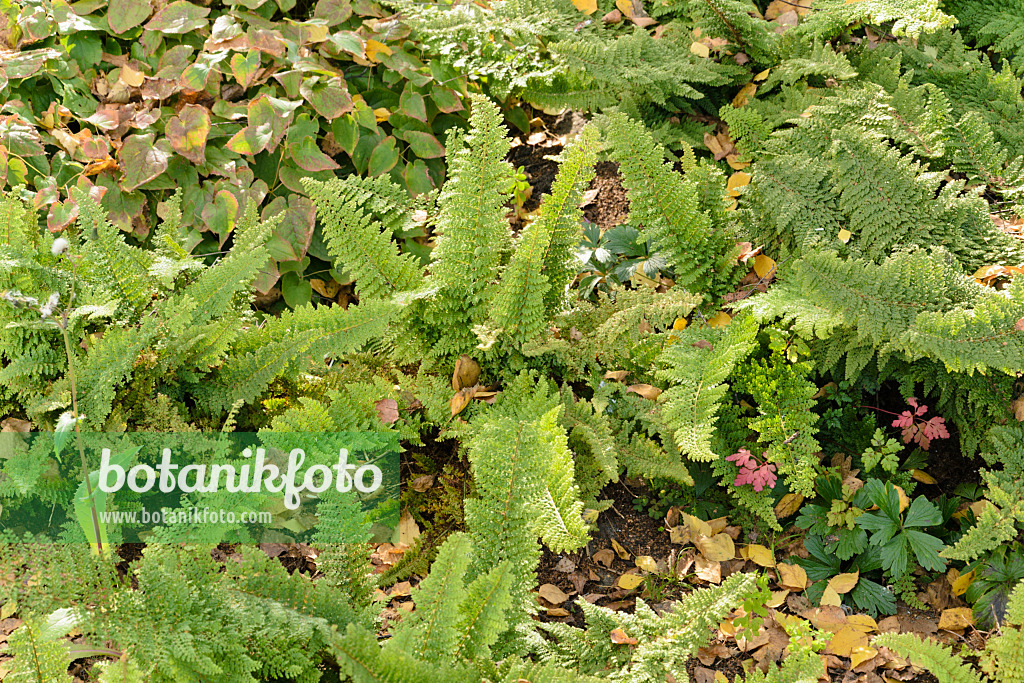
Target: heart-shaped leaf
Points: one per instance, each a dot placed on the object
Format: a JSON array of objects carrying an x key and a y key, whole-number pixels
[
  {"x": 309, "y": 157},
  {"x": 244, "y": 67},
  {"x": 187, "y": 132},
  {"x": 141, "y": 160},
  {"x": 384, "y": 156},
  {"x": 424, "y": 145},
  {"x": 330, "y": 99},
  {"x": 220, "y": 215},
  {"x": 178, "y": 18},
  {"x": 125, "y": 14}
]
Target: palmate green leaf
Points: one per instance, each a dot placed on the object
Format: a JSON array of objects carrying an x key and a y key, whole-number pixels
[
  {"x": 873, "y": 597},
  {"x": 894, "y": 555},
  {"x": 926, "y": 549},
  {"x": 922, "y": 513}
]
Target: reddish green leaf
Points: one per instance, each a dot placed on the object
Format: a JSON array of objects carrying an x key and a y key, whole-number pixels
[
  {"x": 424, "y": 145},
  {"x": 446, "y": 99},
  {"x": 19, "y": 137},
  {"x": 330, "y": 99},
  {"x": 309, "y": 157},
  {"x": 179, "y": 17},
  {"x": 121, "y": 207},
  {"x": 350, "y": 42},
  {"x": 250, "y": 140},
  {"x": 3, "y": 165},
  {"x": 125, "y": 14},
  {"x": 141, "y": 160},
  {"x": 188, "y": 131},
  {"x": 384, "y": 156},
  {"x": 413, "y": 105},
  {"x": 220, "y": 215},
  {"x": 333, "y": 12},
  {"x": 417, "y": 179},
  {"x": 61, "y": 215},
  {"x": 244, "y": 67},
  {"x": 294, "y": 233}
]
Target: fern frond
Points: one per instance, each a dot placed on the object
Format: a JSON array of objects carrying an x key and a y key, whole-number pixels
[{"x": 929, "y": 655}]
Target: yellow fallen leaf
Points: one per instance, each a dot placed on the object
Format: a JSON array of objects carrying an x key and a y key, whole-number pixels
[
  {"x": 830, "y": 597},
  {"x": 789, "y": 504},
  {"x": 586, "y": 6},
  {"x": 718, "y": 525},
  {"x": 762, "y": 75},
  {"x": 381, "y": 114},
  {"x": 844, "y": 235},
  {"x": 764, "y": 266},
  {"x": 619, "y": 550},
  {"x": 130, "y": 76},
  {"x": 617, "y": 375},
  {"x": 744, "y": 95},
  {"x": 778, "y": 599},
  {"x": 844, "y": 583},
  {"x": 374, "y": 48},
  {"x": 922, "y": 476},
  {"x": 904, "y": 500},
  {"x": 736, "y": 181},
  {"x": 720, "y": 320},
  {"x": 845, "y": 640},
  {"x": 862, "y": 622},
  {"x": 760, "y": 555},
  {"x": 956, "y": 618},
  {"x": 960, "y": 583},
  {"x": 327, "y": 289},
  {"x": 630, "y": 581},
  {"x": 727, "y": 628},
  {"x": 861, "y": 654},
  {"x": 647, "y": 563},
  {"x": 792, "y": 576},
  {"x": 679, "y": 324},
  {"x": 717, "y": 548},
  {"x": 626, "y": 7},
  {"x": 408, "y": 529},
  {"x": 697, "y": 526},
  {"x": 700, "y": 49}
]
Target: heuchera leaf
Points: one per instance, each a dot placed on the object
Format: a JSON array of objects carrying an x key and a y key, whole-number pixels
[
  {"x": 141, "y": 160},
  {"x": 179, "y": 17},
  {"x": 188, "y": 131},
  {"x": 125, "y": 14}
]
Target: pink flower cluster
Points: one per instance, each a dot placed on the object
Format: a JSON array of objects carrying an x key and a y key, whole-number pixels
[
  {"x": 751, "y": 471},
  {"x": 915, "y": 428}
]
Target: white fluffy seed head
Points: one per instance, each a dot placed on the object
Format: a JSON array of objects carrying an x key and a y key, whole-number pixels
[{"x": 60, "y": 245}]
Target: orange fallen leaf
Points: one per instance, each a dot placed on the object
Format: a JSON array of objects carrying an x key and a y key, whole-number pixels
[{"x": 619, "y": 637}]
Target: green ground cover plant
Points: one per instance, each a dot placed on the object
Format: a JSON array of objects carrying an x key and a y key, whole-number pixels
[{"x": 814, "y": 305}]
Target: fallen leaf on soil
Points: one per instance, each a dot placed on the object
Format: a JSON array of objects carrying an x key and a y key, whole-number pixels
[
  {"x": 617, "y": 375},
  {"x": 764, "y": 266},
  {"x": 698, "y": 527},
  {"x": 629, "y": 581},
  {"x": 400, "y": 590},
  {"x": 708, "y": 570},
  {"x": 565, "y": 565},
  {"x": 466, "y": 373},
  {"x": 960, "y": 582},
  {"x": 844, "y": 583},
  {"x": 922, "y": 476},
  {"x": 956, "y": 618},
  {"x": 605, "y": 557},
  {"x": 619, "y": 637},
  {"x": 552, "y": 594},
  {"x": 408, "y": 529},
  {"x": 792, "y": 576},
  {"x": 844, "y": 235},
  {"x": 845, "y": 640},
  {"x": 739, "y": 178},
  {"x": 889, "y": 625},
  {"x": 720, "y": 320},
  {"x": 830, "y": 597},
  {"x": 760, "y": 555},
  {"x": 13, "y": 424},
  {"x": 620, "y": 551},
  {"x": 647, "y": 563},
  {"x": 778, "y": 599},
  {"x": 586, "y": 6},
  {"x": 789, "y": 504},
  {"x": 1018, "y": 406},
  {"x": 557, "y": 612},
  {"x": 861, "y": 654},
  {"x": 717, "y": 548}
]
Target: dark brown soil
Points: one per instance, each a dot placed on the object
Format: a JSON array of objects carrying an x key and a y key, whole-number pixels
[{"x": 610, "y": 207}]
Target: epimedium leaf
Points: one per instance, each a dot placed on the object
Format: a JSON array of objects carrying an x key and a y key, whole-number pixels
[
  {"x": 424, "y": 145},
  {"x": 244, "y": 67},
  {"x": 220, "y": 214},
  {"x": 297, "y": 292},
  {"x": 178, "y": 18},
  {"x": 413, "y": 105},
  {"x": 141, "y": 160},
  {"x": 348, "y": 42},
  {"x": 188, "y": 131},
  {"x": 308, "y": 156},
  {"x": 346, "y": 132},
  {"x": 384, "y": 156},
  {"x": 330, "y": 99},
  {"x": 20, "y": 138},
  {"x": 417, "y": 179},
  {"x": 127, "y": 14},
  {"x": 333, "y": 12},
  {"x": 446, "y": 100},
  {"x": 293, "y": 235}
]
